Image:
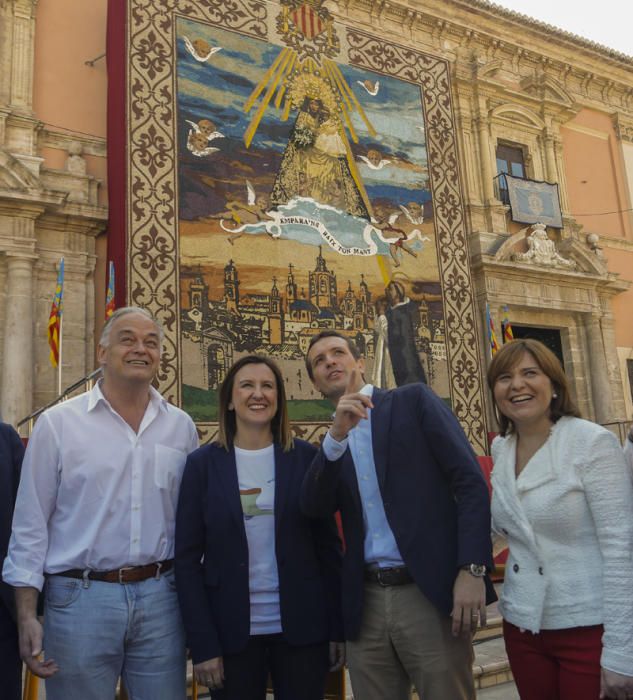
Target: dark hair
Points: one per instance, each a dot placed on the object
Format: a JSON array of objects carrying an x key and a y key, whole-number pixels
[
  {"x": 510, "y": 355},
  {"x": 381, "y": 301},
  {"x": 280, "y": 425},
  {"x": 330, "y": 334},
  {"x": 399, "y": 287}
]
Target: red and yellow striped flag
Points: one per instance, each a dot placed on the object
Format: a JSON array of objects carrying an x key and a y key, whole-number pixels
[
  {"x": 492, "y": 336},
  {"x": 110, "y": 305},
  {"x": 54, "y": 320},
  {"x": 506, "y": 328}
]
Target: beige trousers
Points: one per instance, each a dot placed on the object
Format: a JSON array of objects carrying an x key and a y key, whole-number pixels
[{"x": 404, "y": 641}]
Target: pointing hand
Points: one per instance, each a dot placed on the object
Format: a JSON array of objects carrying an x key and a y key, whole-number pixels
[{"x": 350, "y": 409}]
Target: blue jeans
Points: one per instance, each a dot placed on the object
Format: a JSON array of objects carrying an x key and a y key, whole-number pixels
[{"x": 106, "y": 630}]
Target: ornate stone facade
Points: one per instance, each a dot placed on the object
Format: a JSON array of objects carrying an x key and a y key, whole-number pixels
[
  {"x": 45, "y": 213},
  {"x": 519, "y": 81}
]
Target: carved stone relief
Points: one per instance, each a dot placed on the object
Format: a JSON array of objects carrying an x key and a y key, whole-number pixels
[{"x": 542, "y": 251}]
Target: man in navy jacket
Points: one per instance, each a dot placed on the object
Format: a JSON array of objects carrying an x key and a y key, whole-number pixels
[
  {"x": 11, "y": 452},
  {"x": 416, "y": 521}
]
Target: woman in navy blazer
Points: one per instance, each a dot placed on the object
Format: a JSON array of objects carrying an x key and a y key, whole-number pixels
[{"x": 258, "y": 582}]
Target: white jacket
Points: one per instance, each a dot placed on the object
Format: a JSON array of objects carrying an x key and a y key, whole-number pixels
[{"x": 568, "y": 519}]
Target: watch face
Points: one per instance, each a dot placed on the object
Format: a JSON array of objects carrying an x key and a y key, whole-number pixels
[{"x": 477, "y": 569}]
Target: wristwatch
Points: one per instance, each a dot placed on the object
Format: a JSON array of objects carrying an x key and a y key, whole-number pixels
[{"x": 478, "y": 570}]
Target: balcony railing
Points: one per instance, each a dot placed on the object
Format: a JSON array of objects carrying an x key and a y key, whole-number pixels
[{"x": 501, "y": 189}]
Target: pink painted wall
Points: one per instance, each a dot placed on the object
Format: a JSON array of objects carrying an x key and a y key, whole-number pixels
[{"x": 597, "y": 184}]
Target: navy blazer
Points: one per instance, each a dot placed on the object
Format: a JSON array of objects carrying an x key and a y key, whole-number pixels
[
  {"x": 11, "y": 453},
  {"x": 212, "y": 556},
  {"x": 434, "y": 494}
]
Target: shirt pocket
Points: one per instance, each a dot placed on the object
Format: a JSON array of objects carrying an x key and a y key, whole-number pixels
[{"x": 168, "y": 467}]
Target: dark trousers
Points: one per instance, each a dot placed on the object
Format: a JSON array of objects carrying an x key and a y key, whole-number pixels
[
  {"x": 10, "y": 663},
  {"x": 555, "y": 664},
  {"x": 297, "y": 672}
]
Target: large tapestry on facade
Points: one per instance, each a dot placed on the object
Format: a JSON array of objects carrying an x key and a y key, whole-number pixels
[{"x": 288, "y": 173}]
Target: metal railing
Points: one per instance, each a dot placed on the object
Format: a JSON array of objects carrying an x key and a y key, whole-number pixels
[
  {"x": 619, "y": 428},
  {"x": 84, "y": 384},
  {"x": 501, "y": 188}
]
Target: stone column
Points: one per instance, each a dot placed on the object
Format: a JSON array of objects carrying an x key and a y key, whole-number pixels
[
  {"x": 17, "y": 359},
  {"x": 550, "y": 156},
  {"x": 600, "y": 385},
  {"x": 22, "y": 54},
  {"x": 486, "y": 165},
  {"x": 562, "y": 178}
]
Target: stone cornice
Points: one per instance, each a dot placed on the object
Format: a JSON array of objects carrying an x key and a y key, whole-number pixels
[
  {"x": 524, "y": 273},
  {"x": 589, "y": 73},
  {"x": 91, "y": 145},
  {"x": 553, "y": 31},
  {"x": 78, "y": 213},
  {"x": 616, "y": 243}
]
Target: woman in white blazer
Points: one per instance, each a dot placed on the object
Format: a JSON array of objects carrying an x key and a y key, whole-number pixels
[{"x": 563, "y": 499}]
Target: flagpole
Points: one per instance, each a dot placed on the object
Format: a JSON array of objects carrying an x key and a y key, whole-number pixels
[{"x": 59, "y": 366}]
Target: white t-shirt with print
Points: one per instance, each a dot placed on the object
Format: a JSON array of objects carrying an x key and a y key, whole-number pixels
[{"x": 256, "y": 479}]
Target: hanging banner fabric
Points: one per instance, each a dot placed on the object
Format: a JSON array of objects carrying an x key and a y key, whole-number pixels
[
  {"x": 278, "y": 176},
  {"x": 534, "y": 202}
]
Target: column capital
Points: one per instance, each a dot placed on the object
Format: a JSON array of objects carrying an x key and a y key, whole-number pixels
[{"x": 15, "y": 255}]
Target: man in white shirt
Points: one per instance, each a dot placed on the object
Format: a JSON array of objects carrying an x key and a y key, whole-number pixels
[{"x": 94, "y": 526}]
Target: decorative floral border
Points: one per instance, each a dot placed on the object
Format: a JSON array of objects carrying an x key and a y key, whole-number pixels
[{"x": 152, "y": 247}]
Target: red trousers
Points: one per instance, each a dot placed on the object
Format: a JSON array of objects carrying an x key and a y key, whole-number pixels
[{"x": 555, "y": 664}]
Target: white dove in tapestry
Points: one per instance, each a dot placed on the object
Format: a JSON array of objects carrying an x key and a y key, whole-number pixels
[
  {"x": 370, "y": 87},
  {"x": 200, "y": 49}
]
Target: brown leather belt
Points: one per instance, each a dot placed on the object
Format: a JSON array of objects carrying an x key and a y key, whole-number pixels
[
  {"x": 126, "y": 574},
  {"x": 388, "y": 576}
]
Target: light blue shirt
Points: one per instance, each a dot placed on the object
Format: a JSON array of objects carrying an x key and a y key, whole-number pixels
[{"x": 380, "y": 544}]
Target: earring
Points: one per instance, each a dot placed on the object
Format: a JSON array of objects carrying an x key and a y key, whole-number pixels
[{"x": 554, "y": 395}]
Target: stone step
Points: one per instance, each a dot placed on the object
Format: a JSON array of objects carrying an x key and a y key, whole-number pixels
[
  {"x": 491, "y": 665},
  {"x": 492, "y": 629},
  {"x": 504, "y": 691}
]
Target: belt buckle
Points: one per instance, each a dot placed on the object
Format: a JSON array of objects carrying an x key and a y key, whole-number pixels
[
  {"x": 121, "y": 570},
  {"x": 379, "y": 575}
]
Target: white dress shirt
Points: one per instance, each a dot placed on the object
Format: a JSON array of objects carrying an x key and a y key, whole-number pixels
[{"x": 93, "y": 493}]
